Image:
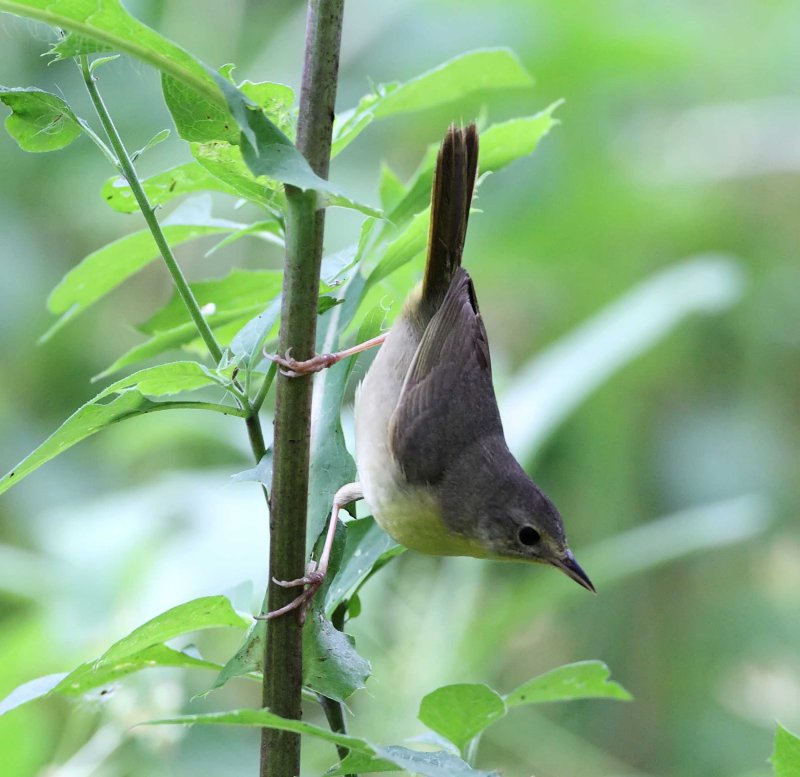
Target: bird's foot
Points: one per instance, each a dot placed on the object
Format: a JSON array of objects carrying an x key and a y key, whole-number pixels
[
  {"x": 311, "y": 581},
  {"x": 292, "y": 368}
]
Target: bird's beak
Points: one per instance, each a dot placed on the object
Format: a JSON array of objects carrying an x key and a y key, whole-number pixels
[{"x": 572, "y": 569}]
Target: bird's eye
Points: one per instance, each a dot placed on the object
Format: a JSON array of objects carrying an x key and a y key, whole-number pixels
[{"x": 529, "y": 536}]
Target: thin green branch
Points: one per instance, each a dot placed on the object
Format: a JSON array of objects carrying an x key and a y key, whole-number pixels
[
  {"x": 129, "y": 172},
  {"x": 263, "y": 389}
]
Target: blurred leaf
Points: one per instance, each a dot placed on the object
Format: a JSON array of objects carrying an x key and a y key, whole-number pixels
[
  {"x": 96, "y": 415},
  {"x": 361, "y": 763},
  {"x": 270, "y": 231},
  {"x": 391, "y": 188},
  {"x": 436, "y": 764},
  {"x": 500, "y": 144},
  {"x": 33, "y": 689},
  {"x": 366, "y": 545},
  {"x": 105, "y": 269},
  {"x": 95, "y": 63},
  {"x": 554, "y": 383},
  {"x": 581, "y": 680},
  {"x": 460, "y": 712},
  {"x": 39, "y": 121},
  {"x": 265, "y": 719},
  {"x": 112, "y": 27},
  {"x": 163, "y": 187},
  {"x": 474, "y": 71},
  {"x": 411, "y": 242},
  {"x": 786, "y": 755},
  {"x": 331, "y": 665},
  {"x": 238, "y": 291},
  {"x": 247, "y": 344}
]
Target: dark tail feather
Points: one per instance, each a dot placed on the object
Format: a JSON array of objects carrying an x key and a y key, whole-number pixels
[{"x": 453, "y": 182}]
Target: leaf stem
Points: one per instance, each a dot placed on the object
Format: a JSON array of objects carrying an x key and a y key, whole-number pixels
[
  {"x": 128, "y": 171},
  {"x": 217, "y": 408},
  {"x": 283, "y": 663}
]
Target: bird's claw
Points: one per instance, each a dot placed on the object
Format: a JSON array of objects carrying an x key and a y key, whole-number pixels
[
  {"x": 312, "y": 581},
  {"x": 293, "y": 368}
]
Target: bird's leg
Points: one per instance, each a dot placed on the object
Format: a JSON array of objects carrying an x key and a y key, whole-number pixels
[
  {"x": 315, "y": 574},
  {"x": 293, "y": 368}
]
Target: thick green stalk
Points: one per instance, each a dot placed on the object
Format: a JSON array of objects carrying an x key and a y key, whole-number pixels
[
  {"x": 129, "y": 172},
  {"x": 283, "y": 666}
]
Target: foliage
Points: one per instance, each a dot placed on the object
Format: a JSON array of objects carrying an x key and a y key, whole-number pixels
[{"x": 240, "y": 140}]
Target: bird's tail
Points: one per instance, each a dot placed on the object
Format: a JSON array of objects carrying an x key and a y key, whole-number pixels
[{"x": 453, "y": 183}]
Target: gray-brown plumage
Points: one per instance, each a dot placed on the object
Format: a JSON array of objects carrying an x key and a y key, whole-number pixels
[{"x": 432, "y": 458}]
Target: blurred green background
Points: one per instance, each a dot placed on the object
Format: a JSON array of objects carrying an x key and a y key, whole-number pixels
[{"x": 677, "y": 476}]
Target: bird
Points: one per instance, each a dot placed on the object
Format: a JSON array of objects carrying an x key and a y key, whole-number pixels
[{"x": 432, "y": 460}]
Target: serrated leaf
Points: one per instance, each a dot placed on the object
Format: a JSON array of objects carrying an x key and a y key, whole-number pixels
[
  {"x": 163, "y": 187},
  {"x": 269, "y": 152},
  {"x": 460, "y": 712},
  {"x": 238, "y": 290},
  {"x": 465, "y": 74},
  {"x": 331, "y": 665},
  {"x": 40, "y": 121},
  {"x": 786, "y": 754},
  {"x": 110, "y": 27},
  {"x": 581, "y": 680}
]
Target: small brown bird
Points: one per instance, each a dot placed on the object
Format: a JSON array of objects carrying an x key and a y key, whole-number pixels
[{"x": 433, "y": 463}]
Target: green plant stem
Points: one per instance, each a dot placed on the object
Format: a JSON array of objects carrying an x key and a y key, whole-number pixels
[
  {"x": 334, "y": 714},
  {"x": 263, "y": 389},
  {"x": 283, "y": 665},
  {"x": 129, "y": 172}
]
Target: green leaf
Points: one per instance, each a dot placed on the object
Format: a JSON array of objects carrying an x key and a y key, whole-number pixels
[
  {"x": 238, "y": 291},
  {"x": 268, "y": 151},
  {"x": 207, "y": 612},
  {"x": 96, "y": 414},
  {"x": 500, "y": 145},
  {"x": 224, "y": 161},
  {"x": 247, "y": 344},
  {"x": 786, "y": 755},
  {"x": 474, "y": 71},
  {"x": 460, "y": 712},
  {"x": 436, "y": 764},
  {"x": 159, "y": 137},
  {"x": 40, "y": 121},
  {"x": 391, "y": 188},
  {"x": 97, "y": 674},
  {"x": 163, "y": 187},
  {"x": 331, "y": 665},
  {"x": 361, "y": 763},
  {"x": 582, "y": 680},
  {"x": 366, "y": 547},
  {"x": 105, "y": 269},
  {"x": 265, "y": 719},
  {"x": 33, "y": 689},
  {"x": 410, "y": 243},
  {"x": 164, "y": 379},
  {"x": 248, "y": 658},
  {"x": 108, "y": 26},
  {"x": 197, "y": 119}
]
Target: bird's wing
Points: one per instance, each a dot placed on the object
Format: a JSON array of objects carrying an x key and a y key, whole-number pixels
[{"x": 447, "y": 401}]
